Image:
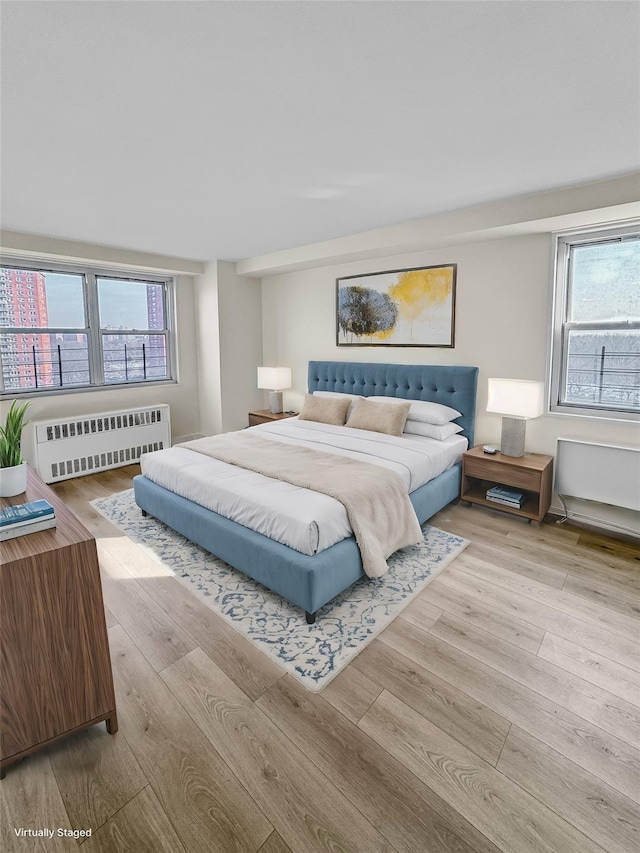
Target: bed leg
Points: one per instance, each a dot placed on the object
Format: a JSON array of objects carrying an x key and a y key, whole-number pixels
[
  {"x": 311, "y": 617},
  {"x": 144, "y": 513}
]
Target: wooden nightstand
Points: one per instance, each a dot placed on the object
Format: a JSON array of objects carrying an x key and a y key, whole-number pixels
[
  {"x": 531, "y": 473},
  {"x": 263, "y": 416}
]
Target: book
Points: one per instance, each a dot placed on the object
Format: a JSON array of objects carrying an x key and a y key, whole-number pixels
[
  {"x": 27, "y": 521},
  {"x": 505, "y": 502},
  {"x": 24, "y": 529},
  {"x": 506, "y": 493},
  {"x": 25, "y": 512}
]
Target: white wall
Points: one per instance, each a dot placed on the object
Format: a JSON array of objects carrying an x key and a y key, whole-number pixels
[
  {"x": 219, "y": 341},
  {"x": 207, "y": 344},
  {"x": 240, "y": 307},
  {"x": 182, "y": 397},
  {"x": 229, "y": 347},
  {"x": 502, "y": 318}
]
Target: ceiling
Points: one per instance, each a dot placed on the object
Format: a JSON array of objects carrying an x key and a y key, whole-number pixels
[{"x": 227, "y": 130}]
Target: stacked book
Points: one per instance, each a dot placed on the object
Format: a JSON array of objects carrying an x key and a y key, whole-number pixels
[
  {"x": 26, "y": 518},
  {"x": 505, "y": 496}
]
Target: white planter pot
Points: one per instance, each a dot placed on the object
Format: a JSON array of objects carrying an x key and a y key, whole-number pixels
[{"x": 13, "y": 481}]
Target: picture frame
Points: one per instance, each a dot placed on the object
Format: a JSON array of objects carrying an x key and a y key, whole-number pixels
[{"x": 413, "y": 307}]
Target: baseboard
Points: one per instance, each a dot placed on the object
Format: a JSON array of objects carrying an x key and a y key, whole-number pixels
[
  {"x": 600, "y": 524},
  {"x": 180, "y": 439}
]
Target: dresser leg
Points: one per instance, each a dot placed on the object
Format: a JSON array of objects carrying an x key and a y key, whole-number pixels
[{"x": 112, "y": 723}]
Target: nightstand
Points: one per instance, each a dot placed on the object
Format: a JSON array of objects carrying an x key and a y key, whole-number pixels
[
  {"x": 264, "y": 416},
  {"x": 531, "y": 473}
]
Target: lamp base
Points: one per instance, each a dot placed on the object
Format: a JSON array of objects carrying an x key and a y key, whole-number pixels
[
  {"x": 275, "y": 402},
  {"x": 513, "y": 436}
]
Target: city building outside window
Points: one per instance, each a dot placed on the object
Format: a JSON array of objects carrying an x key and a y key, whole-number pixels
[
  {"x": 87, "y": 329},
  {"x": 595, "y": 355}
]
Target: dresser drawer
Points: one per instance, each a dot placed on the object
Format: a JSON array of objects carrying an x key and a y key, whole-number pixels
[{"x": 487, "y": 469}]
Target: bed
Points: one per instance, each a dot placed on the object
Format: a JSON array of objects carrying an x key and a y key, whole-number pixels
[{"x": 310, "y": 580}]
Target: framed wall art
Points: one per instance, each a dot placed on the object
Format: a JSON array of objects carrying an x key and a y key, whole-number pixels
[{"x": 399, "y": 308}]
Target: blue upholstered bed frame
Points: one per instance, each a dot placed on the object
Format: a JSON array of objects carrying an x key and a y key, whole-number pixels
[{"x": 310, "y": 582}]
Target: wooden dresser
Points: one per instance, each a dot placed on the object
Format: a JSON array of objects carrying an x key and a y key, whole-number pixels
[{"x": 55, "y": 668}]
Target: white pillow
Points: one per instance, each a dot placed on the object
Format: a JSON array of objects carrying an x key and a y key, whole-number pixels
[
  {"x": 437, "y": 431},
  {"x": 424, "y": 411}
]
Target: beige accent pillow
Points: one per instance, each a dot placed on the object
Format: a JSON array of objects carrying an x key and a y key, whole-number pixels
[
  {"x": 325, "y": 410},
  {"x": 388, "y": 418},
  {"x": 335, "y": 395}
]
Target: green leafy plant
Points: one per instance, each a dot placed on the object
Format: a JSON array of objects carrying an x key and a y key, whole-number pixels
[{"x": 11, "y": 435}]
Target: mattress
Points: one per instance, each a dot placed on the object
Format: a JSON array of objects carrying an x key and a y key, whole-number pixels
[{"x": 302, "y": 519}]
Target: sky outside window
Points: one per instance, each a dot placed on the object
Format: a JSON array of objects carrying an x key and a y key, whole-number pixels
[
  {"x": 123, "y": 304},
  {"x": 65, "y": 302}
]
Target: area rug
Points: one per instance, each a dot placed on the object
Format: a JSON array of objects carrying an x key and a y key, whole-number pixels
[{"x": 312, "y": 653}]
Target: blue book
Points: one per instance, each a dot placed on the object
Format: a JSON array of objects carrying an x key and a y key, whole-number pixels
[
  {"x": 11, "y": 531},
  {"x": 22, "y": 513},
  {"x": 505, "y": 493}
]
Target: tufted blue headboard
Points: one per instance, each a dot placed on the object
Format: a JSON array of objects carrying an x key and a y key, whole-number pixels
[{"x": 450, "y": 385}]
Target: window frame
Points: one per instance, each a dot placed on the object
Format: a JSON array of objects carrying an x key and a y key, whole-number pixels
[
  {"x": 563, "y": 242},
  {"x": 92, "y": 329}
]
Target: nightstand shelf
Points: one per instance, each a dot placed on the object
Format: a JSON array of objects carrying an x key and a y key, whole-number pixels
[
  {"x": 531, "y": 474},
  {"x": 264, "y": 416}
]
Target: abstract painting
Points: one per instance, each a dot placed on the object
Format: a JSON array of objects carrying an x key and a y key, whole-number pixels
[{"x": 398, "y": 308}]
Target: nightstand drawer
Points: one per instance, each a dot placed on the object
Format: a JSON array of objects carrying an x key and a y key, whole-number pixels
[
  {"x": 264, "y": 416},
  {"x": 487, "y": 469},
  {"x": 254, "y": 420}
]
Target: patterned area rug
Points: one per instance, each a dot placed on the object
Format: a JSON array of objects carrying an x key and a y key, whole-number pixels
[{"x": 312, "y": 653}]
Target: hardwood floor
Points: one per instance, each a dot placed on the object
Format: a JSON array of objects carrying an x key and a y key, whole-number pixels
[{"x": 500, "y": 712}]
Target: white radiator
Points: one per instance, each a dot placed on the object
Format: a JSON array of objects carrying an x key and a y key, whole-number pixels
[
  {"x": 84, "y": 444},
  {"x": 607, "y": 473}
]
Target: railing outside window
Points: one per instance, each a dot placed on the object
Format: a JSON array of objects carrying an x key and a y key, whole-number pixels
[
  {"x": 65, "y": 365},
  {"x": 604, "y": 378}
]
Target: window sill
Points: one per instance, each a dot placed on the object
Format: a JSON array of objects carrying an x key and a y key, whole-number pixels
[
  {"x": 594, "y": 414},
  {"x": 34, "y": 393}
]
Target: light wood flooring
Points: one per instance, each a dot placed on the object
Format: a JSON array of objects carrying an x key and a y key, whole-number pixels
[{"x": 500, "y": 712}]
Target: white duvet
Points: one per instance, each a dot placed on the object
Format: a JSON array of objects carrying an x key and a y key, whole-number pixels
[{"x": 304, "y": 520}]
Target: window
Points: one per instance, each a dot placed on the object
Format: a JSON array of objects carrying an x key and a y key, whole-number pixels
[
  {"x": 595, "y": 359},
  {"x": 87, "y": 328}
]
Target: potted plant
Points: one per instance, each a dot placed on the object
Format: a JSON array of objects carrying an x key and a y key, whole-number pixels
[{"x": 13, "y": 469}]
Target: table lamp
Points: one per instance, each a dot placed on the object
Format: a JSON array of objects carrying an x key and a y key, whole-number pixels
[
  {"x": 274, "y": 379},
  {"x": 519, "y": 399}
]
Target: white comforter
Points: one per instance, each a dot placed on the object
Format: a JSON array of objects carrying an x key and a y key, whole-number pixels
[{"x": 304, "y": 520}]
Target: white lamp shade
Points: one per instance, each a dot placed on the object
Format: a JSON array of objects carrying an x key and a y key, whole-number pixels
[
  {"x": 519, "y": 398},
  {"x": 274, "y": 378}
]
